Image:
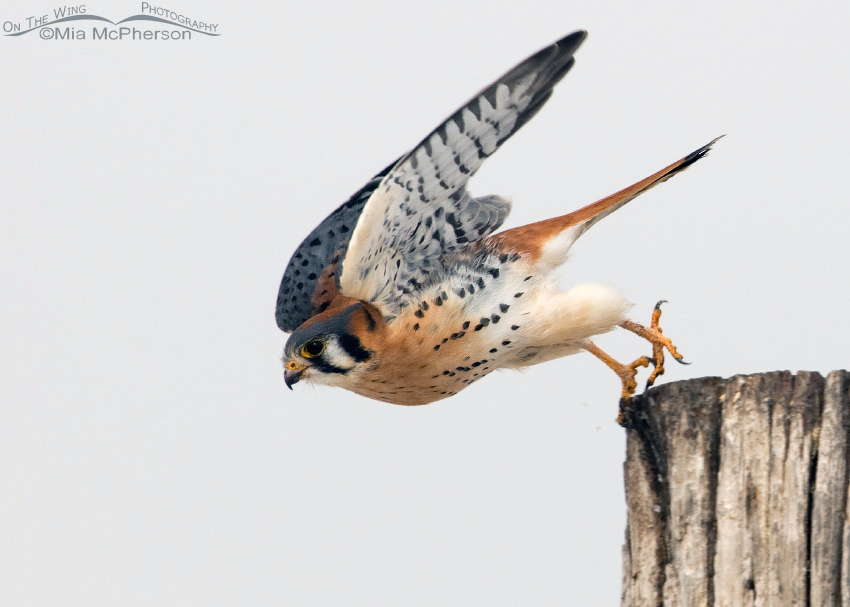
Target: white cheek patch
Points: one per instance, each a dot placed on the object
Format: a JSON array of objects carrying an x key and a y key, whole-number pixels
[{"x": 337, "y": 356}]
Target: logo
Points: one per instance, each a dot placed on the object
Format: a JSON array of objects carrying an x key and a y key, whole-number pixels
[{"x": 153, "y": 23}]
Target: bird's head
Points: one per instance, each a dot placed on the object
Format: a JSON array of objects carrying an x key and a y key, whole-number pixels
[{"x": 332, "y": 346}]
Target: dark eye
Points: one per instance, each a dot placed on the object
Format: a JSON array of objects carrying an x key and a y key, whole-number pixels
[{"x": 312, "y": 348}]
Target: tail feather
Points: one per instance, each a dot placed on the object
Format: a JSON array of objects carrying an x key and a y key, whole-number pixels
[
  {"x": 531, "y": 239},
  {"x": 592, "y": 213}
]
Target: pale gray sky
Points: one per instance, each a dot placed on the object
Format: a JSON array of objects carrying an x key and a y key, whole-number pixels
[{"x": 152, "y": 193}]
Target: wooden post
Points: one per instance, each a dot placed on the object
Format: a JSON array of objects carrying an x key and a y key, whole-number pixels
[{"x": 737, "y": 493}]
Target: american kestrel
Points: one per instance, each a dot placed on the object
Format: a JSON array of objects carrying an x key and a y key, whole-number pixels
[{"x": 404, "y": 294}]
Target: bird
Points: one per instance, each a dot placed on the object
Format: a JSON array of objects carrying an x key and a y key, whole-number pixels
[{"x": 406, "y": 293}]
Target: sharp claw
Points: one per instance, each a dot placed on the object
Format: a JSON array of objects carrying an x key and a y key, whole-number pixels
[{"x": 653, "y": 334}]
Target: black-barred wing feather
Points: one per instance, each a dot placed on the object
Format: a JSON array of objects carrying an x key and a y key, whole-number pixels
[
  {"x": 421, "y": 209},
  {"x": 295, "y": 299}
]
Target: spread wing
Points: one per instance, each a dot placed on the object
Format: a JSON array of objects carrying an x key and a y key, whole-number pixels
[
  {"x": 300, "y": 296},
  {"x": 421, "y": 209},
  {"x": 392, "y": 234}
]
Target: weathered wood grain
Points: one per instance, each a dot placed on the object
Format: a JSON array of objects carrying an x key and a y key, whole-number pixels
[
  {"x": 737, "y": 493},
  {"x": 830, "y": 494},
  {"x": 793, "y": 445}
]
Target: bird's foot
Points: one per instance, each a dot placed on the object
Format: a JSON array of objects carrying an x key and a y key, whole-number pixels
[
  {"x": 659, "y": 342},
  {"x": 626, "y": 373}
]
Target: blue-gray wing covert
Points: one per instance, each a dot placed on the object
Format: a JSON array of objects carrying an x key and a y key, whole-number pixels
[{"x": 297, "y": 299}]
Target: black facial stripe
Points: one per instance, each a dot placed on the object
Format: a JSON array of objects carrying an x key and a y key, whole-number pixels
[
  {"x": 371, "y": 324},
  {"x": 351, "y": 344},
  {"x": 325, "y": 367}
]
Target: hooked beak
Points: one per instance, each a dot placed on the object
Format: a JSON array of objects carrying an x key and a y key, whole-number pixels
[{"x": 292, "y": 373}]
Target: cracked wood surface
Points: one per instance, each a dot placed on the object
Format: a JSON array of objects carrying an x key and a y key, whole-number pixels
[{"x": 737, "y": 493}]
